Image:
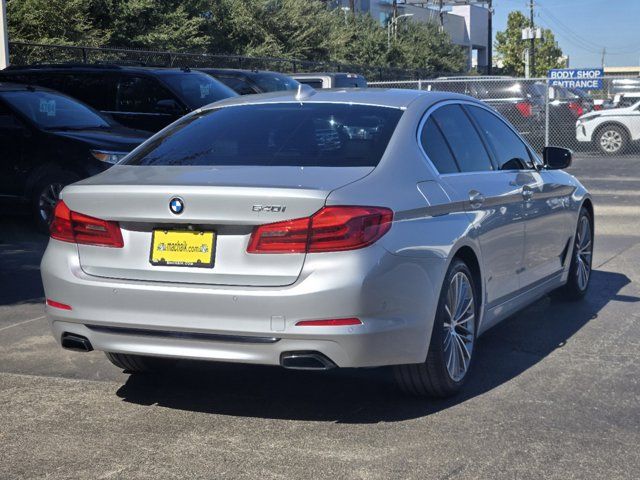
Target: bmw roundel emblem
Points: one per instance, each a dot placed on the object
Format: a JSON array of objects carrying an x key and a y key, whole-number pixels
[{"x": 176, "y": 205}]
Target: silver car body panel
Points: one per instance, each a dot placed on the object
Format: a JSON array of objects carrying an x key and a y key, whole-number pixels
[{"x": 521, "y": 243}]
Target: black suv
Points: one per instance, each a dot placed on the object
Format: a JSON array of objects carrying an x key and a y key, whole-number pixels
[
  {"x": 49, "y": 140},
  {"x": 138, "y": 97},
  {"x": 247, "y": 82}
]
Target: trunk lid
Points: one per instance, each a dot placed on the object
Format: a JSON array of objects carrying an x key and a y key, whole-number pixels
[{"x": 227, "y": 200}]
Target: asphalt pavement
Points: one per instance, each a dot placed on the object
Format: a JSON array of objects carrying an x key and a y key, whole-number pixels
[{"x": 554, "y": 393}]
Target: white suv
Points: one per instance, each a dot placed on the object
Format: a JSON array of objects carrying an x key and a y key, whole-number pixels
[{"x": 612, "y": 131}]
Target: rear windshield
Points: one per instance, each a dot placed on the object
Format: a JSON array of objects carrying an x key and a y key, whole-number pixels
[
  {"x": 283, "y": 134},
  {"x": 274, "y": 82},
  {"x": 197, "y": 89}
]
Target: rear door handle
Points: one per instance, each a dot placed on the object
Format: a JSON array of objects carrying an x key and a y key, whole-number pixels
[{"x": 476, "y": 199}]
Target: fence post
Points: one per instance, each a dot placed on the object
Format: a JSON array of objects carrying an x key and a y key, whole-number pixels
[
  {"x": 546, "y": 114},
  {"x": 84, "y": 55},
  {"x": 419, "y": 84}
]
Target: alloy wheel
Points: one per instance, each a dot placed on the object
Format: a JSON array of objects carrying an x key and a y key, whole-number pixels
[
  {"x": 459, "y": 326},
  {"x": 584, "y": 250},
  {"x": 611, "y": 141},
  {"x": 47, "y": 200}
]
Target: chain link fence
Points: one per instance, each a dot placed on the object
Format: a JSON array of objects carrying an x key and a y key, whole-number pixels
[
  {"x": 22, "y": 53},
  {"x": 603, "y": 122}
]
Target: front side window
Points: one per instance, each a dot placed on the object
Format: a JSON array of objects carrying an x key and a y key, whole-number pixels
[
  {"x": 50, "y": 110},
  {"x": 510, "y": 152},
  {"x": 462, "y": 138},
  {"x": 140, "y": 94},
  {"x": 282, "y": 134}
]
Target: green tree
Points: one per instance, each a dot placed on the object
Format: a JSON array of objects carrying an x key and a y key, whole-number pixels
[
  {"x": 157, "y": 24},
  {"x": 510, "y": 48},
  {"x": 67, "y": 22}
]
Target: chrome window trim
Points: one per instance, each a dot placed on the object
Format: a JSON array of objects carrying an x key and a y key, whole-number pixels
[{"x": 443, "y": 103}]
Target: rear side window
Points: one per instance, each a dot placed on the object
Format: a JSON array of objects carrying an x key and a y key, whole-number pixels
[
  {"x": 284, "y": 134},
  {"x": 463, "y": 139},
  {"x": 510, "y": 152},
  {"x": 436, "y": 148},
  {"x": 313, "y": 83}
]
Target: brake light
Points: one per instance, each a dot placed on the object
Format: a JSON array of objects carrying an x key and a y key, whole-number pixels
[
  {"x": 330, "y": 229},
  {"x": 74, "y": 227},
  {"x": 576, "y": 108},
  {"x": 334, "y": 322},
  {"x": 525, "y": 109}
]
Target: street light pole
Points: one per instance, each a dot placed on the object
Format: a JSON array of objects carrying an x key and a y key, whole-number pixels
[
  {"x": 4, "y": 36},
  {"x": 393, "y": 25}
]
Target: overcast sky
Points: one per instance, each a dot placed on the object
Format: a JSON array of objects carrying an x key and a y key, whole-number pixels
[{"x": 584, "y": 27}]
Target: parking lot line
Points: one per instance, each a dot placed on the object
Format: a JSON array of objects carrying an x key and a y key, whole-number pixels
[{"x": 22, "y": 323}]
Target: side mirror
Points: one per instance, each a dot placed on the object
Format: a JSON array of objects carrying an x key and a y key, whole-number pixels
[
  {"x": 168, "y": 106},
  {"x": 556, "y": 158}
]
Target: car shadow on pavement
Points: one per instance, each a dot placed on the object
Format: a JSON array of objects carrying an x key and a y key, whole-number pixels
[{"x": 369, "y": 395}]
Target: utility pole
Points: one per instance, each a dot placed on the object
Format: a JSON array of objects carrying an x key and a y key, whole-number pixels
[
  {"x": 352, "y": 6},
  {"x": 490, "y": 39},
  {"x": 441, "y": 10},
  {"x": 4, "y": 36},
  {"x": 532, "y": 48},
  {"x": 604, "y": 52}
]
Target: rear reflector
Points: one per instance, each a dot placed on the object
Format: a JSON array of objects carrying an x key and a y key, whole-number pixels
[
  {"x": 74, "y": 227},
  {"x": 61, "y": 306},
  {"x": 335, "y": 322},
  {"x": 331, "y": 229}
]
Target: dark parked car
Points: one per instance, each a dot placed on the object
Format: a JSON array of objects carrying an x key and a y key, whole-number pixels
[
  {"x": 247, "y": 82},
  {"x": 138, "y": 97},
  {"x": 49, "y": 140},
  {"x": 331, "y": 80}
]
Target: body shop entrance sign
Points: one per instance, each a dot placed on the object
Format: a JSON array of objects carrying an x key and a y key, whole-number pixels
[{"x": 584, "y": 78}]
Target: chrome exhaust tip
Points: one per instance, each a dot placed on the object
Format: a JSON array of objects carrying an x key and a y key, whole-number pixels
[{"x": 306, "y": 361}]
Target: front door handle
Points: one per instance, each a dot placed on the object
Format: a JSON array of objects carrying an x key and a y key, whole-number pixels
[
  {"x": 527, "y": 193},
  {"x": 476, "y": 199}
]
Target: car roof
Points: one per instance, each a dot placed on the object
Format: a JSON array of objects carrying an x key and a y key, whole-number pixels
[
  {"x": 19, "y": 87},
  {"x": 82, "y": 67},
  {"x": 384, "y": 97},
  {"x": 238, "y": 70},
  {"x": 324, "y": 74}
]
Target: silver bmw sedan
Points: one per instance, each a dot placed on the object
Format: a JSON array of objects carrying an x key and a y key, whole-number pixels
[{"x": 312, "y": 230}]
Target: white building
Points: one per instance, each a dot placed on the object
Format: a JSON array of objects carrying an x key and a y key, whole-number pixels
[{"x": 467, "y": 25}]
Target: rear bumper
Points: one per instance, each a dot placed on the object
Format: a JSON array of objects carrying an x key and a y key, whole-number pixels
[{"x": 393, "y": 296}]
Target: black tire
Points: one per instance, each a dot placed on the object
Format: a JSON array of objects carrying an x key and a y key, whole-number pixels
[
  {"x": 575, "y": 289},
  {"x": 432, "y": 378},
  {"x": 139, "y": 363},
  {"x": 44, "y": 194},
  {"x": 611, "y": 139}
]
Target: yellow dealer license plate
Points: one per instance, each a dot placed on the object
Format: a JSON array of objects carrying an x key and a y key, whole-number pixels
[{"x": 183, "y": 248}]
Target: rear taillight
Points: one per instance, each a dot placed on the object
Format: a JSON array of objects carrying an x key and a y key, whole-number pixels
[
  {"x": 576, "y": 108},
  {"x": 525, "y": 109},
  {"x": 331, "y": 229},
  {"x": 74, "y": 227}
]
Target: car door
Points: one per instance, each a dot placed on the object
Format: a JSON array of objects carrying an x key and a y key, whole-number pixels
[
  {"x": 492, "y": 198},
  {"x": 139, "y": 103},
  {"x": 12, "y": 143},
  {"x": 544, "y": 198}
]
